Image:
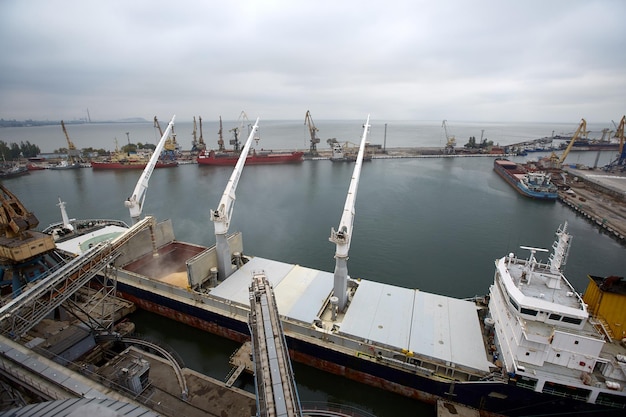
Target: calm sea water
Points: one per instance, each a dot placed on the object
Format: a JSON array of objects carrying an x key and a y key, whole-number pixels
[{"x": 433, "y": 224}]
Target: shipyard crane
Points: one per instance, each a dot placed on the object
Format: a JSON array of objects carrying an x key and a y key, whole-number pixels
[
  {"x": 170, "y": 145},
  {"x": 621, "y": 153},
  {"x": 201, "y": 144},
  {"x": 220, "y": 140},
  {"x": 194, "y": 135},
  {"x": 342, "y": 236},
  {"x": 450, "y": 140},
  {"x": 72, "y": 153},
  {"x": 308, "y": 120},
  {"x": 135, "y": 201},
  {"x": 237, "y": 130},
  {"x": 555, "y": 161},
  {"x": 222, "y": 215}
]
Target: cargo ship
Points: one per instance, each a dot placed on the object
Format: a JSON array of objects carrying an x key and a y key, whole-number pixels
[
  {"x": 531, "y": 346},
  {"x": 131, "y": 163},
  {"x": 229, "y": 157},
  {"x": 537, "y": 184}
]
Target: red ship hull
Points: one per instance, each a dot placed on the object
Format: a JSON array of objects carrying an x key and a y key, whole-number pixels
[
  {"x": 255, "y": 158},
  {"x": 131, "y": 165}
]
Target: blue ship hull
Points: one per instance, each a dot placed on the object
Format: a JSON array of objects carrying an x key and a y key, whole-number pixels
[{"x": 520, "y": 187}]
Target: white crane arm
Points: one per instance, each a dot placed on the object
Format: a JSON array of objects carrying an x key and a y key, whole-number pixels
[
  {"x": 135, "y": 201},
  {"x": 342, "y": 236},
  {"x": 221, "y": 217}
]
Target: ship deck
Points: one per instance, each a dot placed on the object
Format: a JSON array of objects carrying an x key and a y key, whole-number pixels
[{"x": 400, "y": 319}]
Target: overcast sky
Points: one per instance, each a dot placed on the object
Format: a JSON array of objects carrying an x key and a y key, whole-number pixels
[{"x": 465, "y": 60}]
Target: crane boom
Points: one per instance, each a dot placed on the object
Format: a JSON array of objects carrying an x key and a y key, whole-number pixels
[
  {"x": 222, "y": 215},
  {"x": 135, "y": 201},
  {"x": 582, "y": 128},
  {"x": 342, "y": 236},
  {"x": 71, "y": 149}
]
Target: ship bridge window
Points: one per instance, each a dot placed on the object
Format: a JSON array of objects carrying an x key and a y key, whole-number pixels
[
  {"x": 555, "y": 317},
  {"x": 529, "y": 311},
  {"x": 572, "y": 320},
  {"x": 512, "y": 301}
]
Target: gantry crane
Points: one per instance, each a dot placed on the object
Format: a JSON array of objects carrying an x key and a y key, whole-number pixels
[{"x": 308, "y": 120}]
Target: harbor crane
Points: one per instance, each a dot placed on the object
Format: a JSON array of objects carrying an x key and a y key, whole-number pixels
[
  {"x": 620, "y": 161},
  {"x": 220, "y": 140},
  {"x": 135, "y": 201},
  {"x": 556, "y": 162},
  {"x": 170, "y": 146},
  {"x": 222, "y": 215},
  {"x": 450, "y": 140},
  {"x": 243, "y": 117},
  {"x": 308, "y": 120},
  {"x": 73, "y": 154},
  {"x": 343, "y": 235}
]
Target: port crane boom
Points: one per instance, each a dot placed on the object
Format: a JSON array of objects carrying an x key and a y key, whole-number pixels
[
  {"x": 72, "y": 152},
  {"x": 582, "y": 129},
  {"x": 342, "y": 236},
  {"x": 222, "y": 215},
  {"x": 135, "y": 201}
]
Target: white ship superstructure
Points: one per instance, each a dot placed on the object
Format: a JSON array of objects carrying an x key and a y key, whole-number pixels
[{"x": 544, "y": 333}]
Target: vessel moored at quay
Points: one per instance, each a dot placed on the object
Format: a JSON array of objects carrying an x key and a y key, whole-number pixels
[
  {"x": 530, "y": 347},
  {"x": 536, "y": 184}
]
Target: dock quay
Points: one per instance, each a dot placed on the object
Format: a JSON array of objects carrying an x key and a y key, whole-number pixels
[{"x": 598, "y": 196}]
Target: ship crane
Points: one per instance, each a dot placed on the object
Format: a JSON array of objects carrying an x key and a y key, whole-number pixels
[
  {"x": 308, "y": 120},
  {"x": 72, "y": 152},
  {"x": 222, "y": 216},
  {"x": 342, "y": 236},
  {"x": 135, "y": 201}
]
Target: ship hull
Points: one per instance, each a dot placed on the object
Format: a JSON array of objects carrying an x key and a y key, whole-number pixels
[
  {"x": 491, "y": 397},
  {"x": 122, "y": 165},
  {"x": 265, "y": 158},
  {"x": 509, "y": 175}
]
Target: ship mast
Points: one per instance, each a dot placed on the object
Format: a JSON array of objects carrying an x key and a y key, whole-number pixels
[
  {"x": 343, "y": 235},
  {"x": 135, "y": 201},
  {"x": 221, "y": 217}
]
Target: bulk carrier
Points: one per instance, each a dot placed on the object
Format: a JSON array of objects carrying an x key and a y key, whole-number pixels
[{"x": 529, "y": 347}]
